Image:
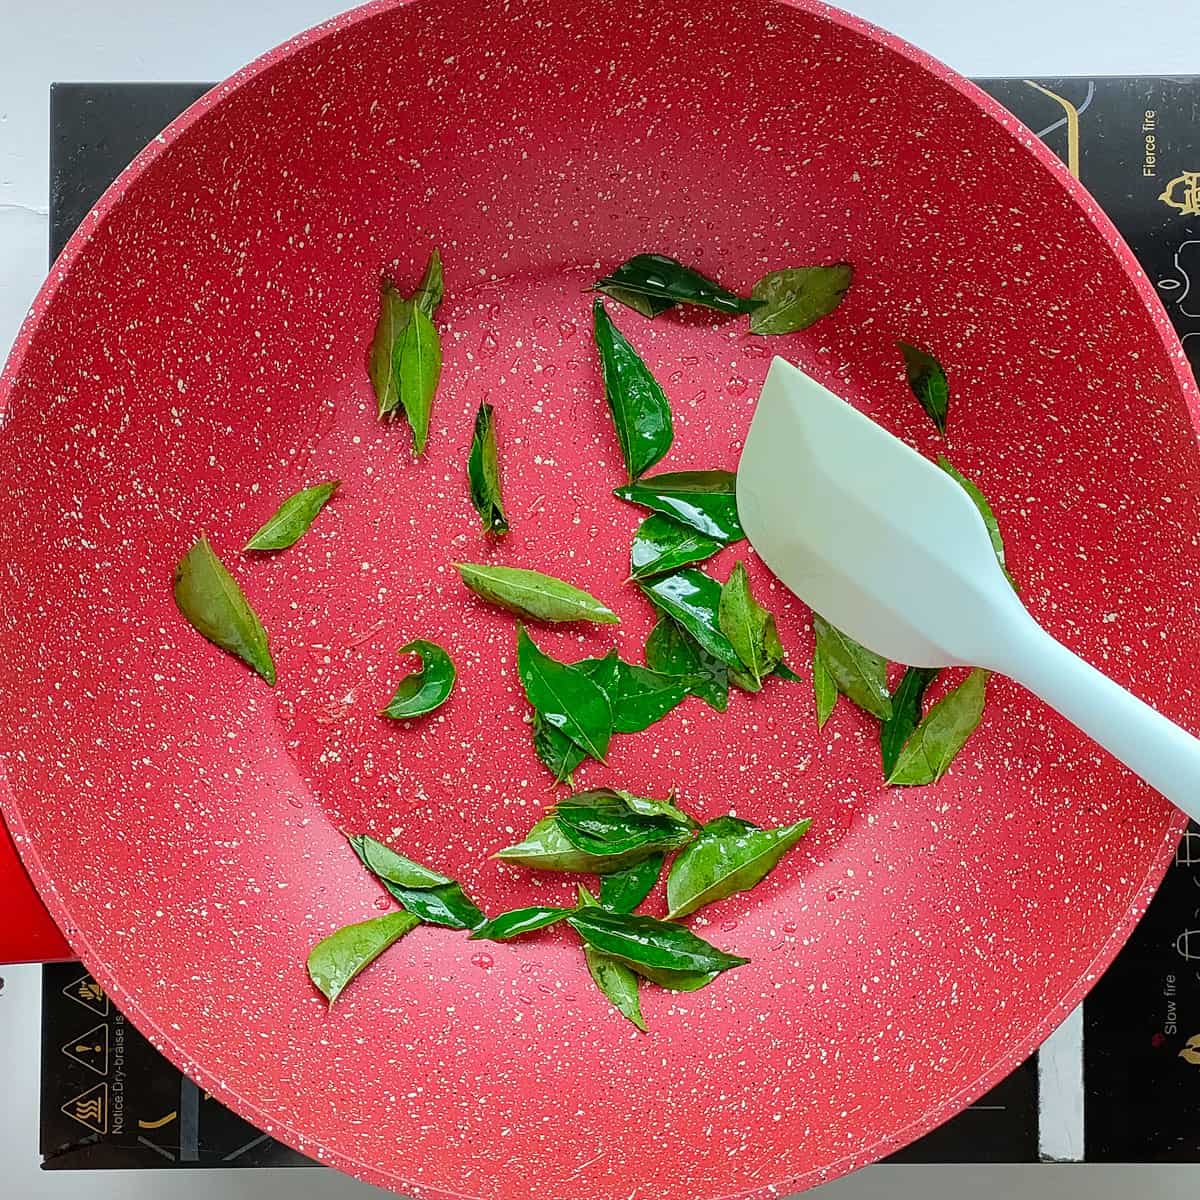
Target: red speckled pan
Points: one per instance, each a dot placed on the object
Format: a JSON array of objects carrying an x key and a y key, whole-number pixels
[{"x": 198, "y": 353}]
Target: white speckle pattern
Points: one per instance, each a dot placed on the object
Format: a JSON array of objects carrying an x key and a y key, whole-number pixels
[{"x": 198, "y": 354}]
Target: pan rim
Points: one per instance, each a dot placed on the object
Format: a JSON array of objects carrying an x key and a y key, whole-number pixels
[{"x": 1019, "y": 1046}]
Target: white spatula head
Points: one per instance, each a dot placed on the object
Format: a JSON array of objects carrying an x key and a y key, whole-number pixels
[{"x": 878, "y": 540}]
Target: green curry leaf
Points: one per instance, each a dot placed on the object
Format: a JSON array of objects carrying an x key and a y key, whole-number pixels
[
  {"x": 796, "y": 297},
  {"x": 425, "y": 690},
  {"x": 928, "y": 382},
  {"x": 334, "y": 961},
  {"x": 483, "y": 473},
  {"x": 209, "y": 597},
  {"x": 532, "y": 595},
  {"x": 293, "y": 518},
  {"x": 639, "y": 408}
]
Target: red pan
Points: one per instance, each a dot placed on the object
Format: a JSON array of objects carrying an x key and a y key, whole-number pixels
[{"x": 198, "y": 354}]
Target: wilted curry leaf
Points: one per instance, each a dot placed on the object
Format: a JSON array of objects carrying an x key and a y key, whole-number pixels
[
  {"x": 942, "y": 733},
  {"x": 906, "y": 713},
  {"x": 429, "y": 291},
  {"x": 639, "y": 408},
  {"x": 334, "y": 961},
  {"x": 424, "y": 690},
  {"x": 728, "y": 856},
  {"x": 383, "y": 362},
  {"x": 860, "y": 674},
  {"x": 292, "y": 519},
  {"x": 928, "y": 383},
  {"x": 209, "y": 597},
  {"x": 534, "y": 595},
  {"x": 606, "y": 822},
  {"x": 483, "y": 473},
  {"x": 405, "y": 360},
  {"x": 796, "y": 297}
]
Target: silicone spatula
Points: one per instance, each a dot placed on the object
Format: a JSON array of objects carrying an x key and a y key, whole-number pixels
[{"x": 889, "y": 548}]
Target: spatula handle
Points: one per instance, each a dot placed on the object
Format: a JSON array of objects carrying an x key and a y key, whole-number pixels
[{"x": 1164, "y": 755}]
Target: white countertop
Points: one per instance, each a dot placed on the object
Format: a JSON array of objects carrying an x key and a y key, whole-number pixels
[{"x": 208, "y": 39}]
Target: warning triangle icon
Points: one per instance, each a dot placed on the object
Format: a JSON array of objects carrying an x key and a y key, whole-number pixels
[
  {"x": 90, "y": 1108},
  {"x": 90, "y": 1049},
  {"x": 86, "y": 991}
]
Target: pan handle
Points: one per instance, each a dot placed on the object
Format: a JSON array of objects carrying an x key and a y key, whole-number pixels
[{"x": 28, "y": 932}]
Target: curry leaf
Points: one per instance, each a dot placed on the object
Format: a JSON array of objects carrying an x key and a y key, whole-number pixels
[
  {"x": 641, "y": 696},
  {"x": 645, "y": 806},
  {"x": 534, "y": 595},
  {"x": 906, "y": 713},
  {"x": 671, "y": 651},
  {"x": 618, "y": 983},
  {"x": 643, "y": 942},
  {"x": 383, "y": 360},
  {"x": 667, "y": 281},
  {"x": 693, "y": 599},
  {"x": 705, "y": 501},
  {"x": 623, "y": 891},
  {"x": 985, "y": 511},
  {"x": 292, "y": 519},
  {"x": 639, "y": 408},
  {"x": 429, "y": 291},
  {"x": 425, "y": 893},
  {"x": 565, "y": 697},
  {"x": 424, "y": 690},
  {"x": 384, "y": 863},
  {"x": 860, "y": 674},
  {"x": 556, "y": 751},
  {"x": 334, "y": 961},
  {"x": 518, "y": 921},
  {"x": 796, "y": 297},
  {"x": 728, "y": 856},
  {"x": 825, "y": 689},
  {"x": 942, "y": 733},
  {"x": 546, "y": 848},
  {"x": 604, "y": 822},
  {"x": 783, "y": 671},
  {"x": 677, "y": 981},
  {"x": 603, "y": 672},
  {"x": 648, "y": 306},
  {"x": 748, "y": 626},
  {"x": 483, "y": 473},
  {"x": 446, "y": 905},
  {"x": 928, "y": 383},
  {"x": 209, "y": 597},
  {"x": 418, "y": 369},
  {"x": 662, "y": 544}
]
